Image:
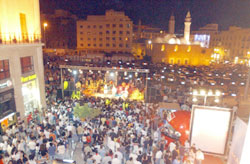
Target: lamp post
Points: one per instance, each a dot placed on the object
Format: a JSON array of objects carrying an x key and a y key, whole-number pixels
[
  {"x": 44, "y": 33},
  {"x": 205, "y": 94}
]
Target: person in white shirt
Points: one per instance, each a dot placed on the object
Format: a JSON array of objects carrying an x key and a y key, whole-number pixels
[
  {"x": 97, "y": 158},
  {"x": 119, "y": 155},
  {"x": 199, "y": 156},
  {"x": 187, "y": 145},
  {"x": 116, "y": 160},
  {"x": 172, "y": 146},
  {"x": 61, "y": 150},
  {"x": 32, "y": 146},
  {"x": 46, "y": 133},
  {"x": 158, "y": 156}
]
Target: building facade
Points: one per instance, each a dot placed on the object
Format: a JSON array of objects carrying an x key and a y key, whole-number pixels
[
  {"x": 22, "y": 88},
  {"x": 182, "y": 54},
  {"x": 235, "y": 41},
  {"x": 59, "y": 30},
  {"x": 109, "y": 33}
]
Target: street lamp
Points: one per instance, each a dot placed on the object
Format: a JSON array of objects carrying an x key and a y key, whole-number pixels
[
  {"x": 205, "y": 94},
  {"x": 44, "y": 33}
]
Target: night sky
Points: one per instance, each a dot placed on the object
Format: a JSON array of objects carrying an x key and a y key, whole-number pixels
[{"x": 157, "y": 12}]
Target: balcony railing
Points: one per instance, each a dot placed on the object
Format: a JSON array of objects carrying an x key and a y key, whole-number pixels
[{"x": 21, "y": 39}]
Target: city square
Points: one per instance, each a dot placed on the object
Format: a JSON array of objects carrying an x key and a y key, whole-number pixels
[{"x": 110, "y": 82}]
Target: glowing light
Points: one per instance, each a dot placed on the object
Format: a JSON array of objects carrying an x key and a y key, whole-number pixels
[
  {"x": 163, "y": 47},
  {"x": 217, "y": 100},
  {"x": 233, "y": 94},
  {"x": 176, "y": 48},
  {"x": 236, "y": 59},
  {"x": 210, "y": 93},
  {"x": 74, "y": 72},
  {"x": 203, "y": 92},
  {"x": 195, "y": 99},
  {"x": 217, "y": 93},
  {"x": 189, "y": 49},
  {"x": 195, "y": 92},
  {"x": 233, "y": 83},
  {"x": 45, "y": 24},
  {"x": 149, "y": 41},
  {"x": 112, "y": 74}
]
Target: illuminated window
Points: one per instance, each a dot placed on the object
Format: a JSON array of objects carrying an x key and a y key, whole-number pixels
[
  {"x": 27, "y": 64},
  {"x": 189, "y": 49},
  {"x": 23, "y": 24},
  {"x": 4, "y": 69},
  {"x": 178, "y": 61},
  {"x": 171, "y": 61},
  {"x": 163, "y": 47}
]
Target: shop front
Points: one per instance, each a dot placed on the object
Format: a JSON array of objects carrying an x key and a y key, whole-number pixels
[
  {"x": 8, "y": 115},
  {"x": 31, "y": 95}
]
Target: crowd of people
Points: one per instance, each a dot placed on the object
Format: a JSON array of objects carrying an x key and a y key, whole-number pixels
[
  {"x": 169, "y": 83},
  {"x": 121, "y": 134}
]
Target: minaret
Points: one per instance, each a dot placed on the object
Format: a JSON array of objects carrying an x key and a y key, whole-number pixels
[
  {"x": 171, "y": 24},
  {"x": 187, "y": 26}
]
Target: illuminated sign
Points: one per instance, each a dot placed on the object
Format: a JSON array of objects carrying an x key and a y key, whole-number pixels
[
  {"x": 28, "y": 78},
  {"x": 203, "y": 39},
  {"x": 8, "y": 83}
]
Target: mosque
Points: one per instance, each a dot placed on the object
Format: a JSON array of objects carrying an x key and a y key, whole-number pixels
[{"x": 178, "y": 50}]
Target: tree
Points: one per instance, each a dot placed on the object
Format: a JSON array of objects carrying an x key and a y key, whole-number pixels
[{"x": 83, "y": 112}]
